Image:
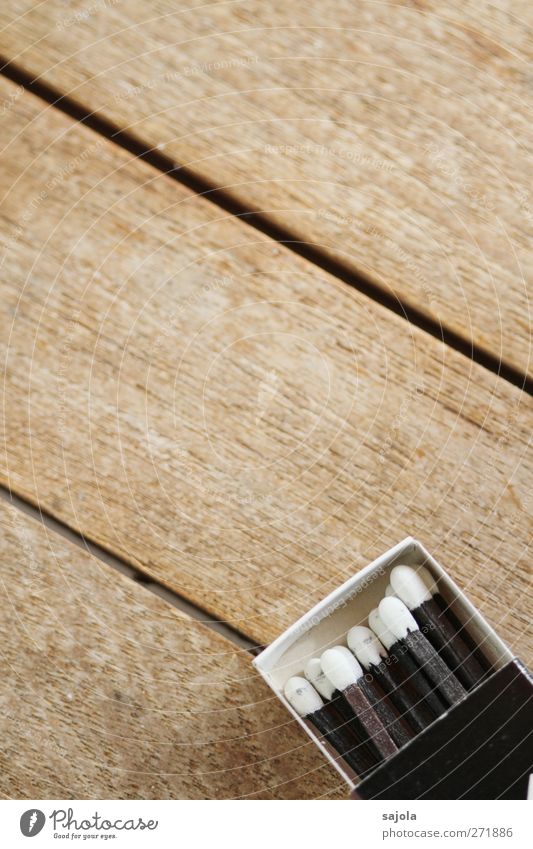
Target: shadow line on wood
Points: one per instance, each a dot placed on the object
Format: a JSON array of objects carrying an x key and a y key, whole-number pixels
[{"x": 36, "y": 512}]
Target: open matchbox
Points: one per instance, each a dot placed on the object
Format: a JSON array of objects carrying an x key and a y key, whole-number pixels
[{"x": 480, "y": 748}]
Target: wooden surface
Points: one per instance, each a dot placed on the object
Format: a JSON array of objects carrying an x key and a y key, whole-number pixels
[
  {"x": 108, "y": 692},
  {"x": 213, "y": 410},
  {"x": 394, "y": 136}
]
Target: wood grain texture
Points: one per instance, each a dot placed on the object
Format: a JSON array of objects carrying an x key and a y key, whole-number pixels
[
  {"x": 109, "y": 692},
  {"x": 218, "y": 413},
  {"x": 395, "y": 136}
]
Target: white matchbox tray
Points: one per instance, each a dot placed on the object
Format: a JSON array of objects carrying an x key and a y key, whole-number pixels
[{"x": 329, "y": 621}]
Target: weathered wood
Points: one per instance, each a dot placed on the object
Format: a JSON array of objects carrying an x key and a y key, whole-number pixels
[
  {"x": 395, "y": 136},
  {"x": 109, "y": 692},
  {"x": 215, "y": 411}
]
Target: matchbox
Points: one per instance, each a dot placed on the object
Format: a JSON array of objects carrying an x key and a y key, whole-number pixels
[{"x": 399, "y": 773}]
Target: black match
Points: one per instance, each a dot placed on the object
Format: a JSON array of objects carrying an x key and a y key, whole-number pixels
[
  {"x": 374, "y": 658},
  {"x": 412, "y": 590},
  {"x": 404, "y": 626},
  {"x": 308, "y": 704},
  {"x": 406, "y": 667},
  {"x": 345, "y": 673}
]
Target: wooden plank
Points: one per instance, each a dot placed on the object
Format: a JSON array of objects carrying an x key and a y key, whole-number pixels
[
  {"x": 109, "y": 692},
  {"x": 213, "y": 409},
  {"x": 396, "y": 137}
]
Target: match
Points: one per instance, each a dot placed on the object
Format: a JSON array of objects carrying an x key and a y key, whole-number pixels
[
  {"x": 404, "y": 627},
  {"x": 456, "y": 623},
  {"x": 315, "y": 675},
  {"x": 373, "y": 657},
  {"x": 410, "y": 587},
  {"x": 345, "y": 673},
  {"x": 407, "y": 667},
  {"x": 307, "y": 703}
]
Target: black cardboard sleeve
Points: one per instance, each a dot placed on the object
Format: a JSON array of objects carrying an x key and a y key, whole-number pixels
[{"x": 481, "y": 749}]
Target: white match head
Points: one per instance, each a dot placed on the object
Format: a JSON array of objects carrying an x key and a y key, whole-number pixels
[
  {"x": 315, "y": 674},
  {"x": 428, "y": 579},
  {"x": 341, "y": 667},
  {"x": 366, "y": 646},
  {"x": 409, "y": 586},
  {"x": 302, "y": 696},
  {"x": 380, "y": 629},
  {"x": 345, "y": 649},
  {"x": 397, "y": 617},
  {"x": 389, "y": 591}
]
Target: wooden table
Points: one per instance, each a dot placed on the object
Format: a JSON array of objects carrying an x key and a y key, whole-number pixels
[{"x": 266, "y": 312}]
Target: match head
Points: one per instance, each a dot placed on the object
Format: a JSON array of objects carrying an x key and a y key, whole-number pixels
[
  {"x": 429, "y": 580},
  {"x": 345, "y": 649},
  {"x": 341, "y": 667},
  {"x": 409, "y": 586},
  {"x": 315, "y": 674},
  {"x": 302, "y": 696},
  {"x": 397, "y": 617},
  {"x": 366, "y": 646},
  {"x": 379, "y": 628}
]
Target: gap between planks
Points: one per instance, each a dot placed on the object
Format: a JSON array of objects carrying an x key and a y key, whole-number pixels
[
  {"x": 100, "y": 553},
  {"x": 224, "y": 200}
]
